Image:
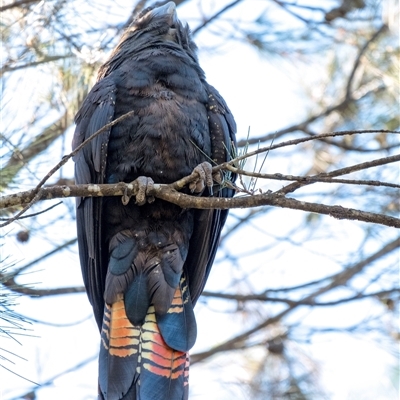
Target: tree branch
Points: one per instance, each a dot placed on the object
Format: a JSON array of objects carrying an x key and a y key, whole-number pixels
[
  {"x": 30, "y": 264},
  {"x": 17, "y": 3},
  {"x": 165, "y": 192},
  {"x": 358, "y": 60},
  {"x": 310, "y": 179},
  {"x": 44, "y": 60},
  {"x": 61, "y": 163},
  {"x": 303, "y": 125},
  {"x": 301, "y": 140},
  {"x": 215, "y": 16},
  {"x": 312, "y": 303},
  {"x": 338, "y": 279},
  {"x": 50, "y": 381},
  {"x": 342, "y": 171},
  {"x": 21, "y": 157}
]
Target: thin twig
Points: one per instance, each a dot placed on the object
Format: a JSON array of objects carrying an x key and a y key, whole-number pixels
[
  {"x": 303, "y": 125},
  {"x": 264, "y": 298},
  {"x": 338, "y": 279},
  {"x": 310, "y": 179},
  {"x": 37, "y": 213},
  {"x": 215, "y": 16},
  {"x": 6, "y": 276},
  {"x": 342, "y": 171},
  {"x": 298, "y": 141}
]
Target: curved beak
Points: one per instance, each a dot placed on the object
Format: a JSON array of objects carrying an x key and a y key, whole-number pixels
[{"x": 167, "y": 9}]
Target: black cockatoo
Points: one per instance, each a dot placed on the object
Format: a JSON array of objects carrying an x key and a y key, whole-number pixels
[{"x": 145, "y": 263}]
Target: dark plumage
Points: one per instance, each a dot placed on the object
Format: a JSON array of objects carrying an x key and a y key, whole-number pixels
[{"x": 144, "y": 267}]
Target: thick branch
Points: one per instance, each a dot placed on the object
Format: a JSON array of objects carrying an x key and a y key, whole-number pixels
[
  {"x": 168, "y": 192},
  {"x": 165, "y": 192}
]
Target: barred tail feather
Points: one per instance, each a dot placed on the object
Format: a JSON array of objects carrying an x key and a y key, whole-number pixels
[
  {"x": 148, "y": 361},
  {"x": 163, "y": 370},
  {"x": 119, "y": 352}
]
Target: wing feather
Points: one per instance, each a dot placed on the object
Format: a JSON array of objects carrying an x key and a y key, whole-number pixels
[
  {"x": 90, "y": 163},
  {"x": 208, "y": 224}
]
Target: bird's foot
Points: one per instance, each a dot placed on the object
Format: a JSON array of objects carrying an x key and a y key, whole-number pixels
[
  {"x": 205, "y": 177},
  {"x": 142, "y": 188}
]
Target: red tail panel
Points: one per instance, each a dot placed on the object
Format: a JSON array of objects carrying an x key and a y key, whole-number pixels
[{"x": 136, "y": 362}]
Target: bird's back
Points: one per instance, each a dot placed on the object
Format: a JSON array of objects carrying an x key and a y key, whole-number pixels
[{"x": 144, "y": 266}]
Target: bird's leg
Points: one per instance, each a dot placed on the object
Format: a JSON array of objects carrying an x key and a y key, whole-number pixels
[
  {"x": 142, "y": 187},
  {"x": 205, "y": 177}
]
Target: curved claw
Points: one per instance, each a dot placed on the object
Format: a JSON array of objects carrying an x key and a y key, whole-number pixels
[
  {"x": 142, "y": 186},
  {"x": 205, "y": 178},
  {"x": 125, "y": 198}
]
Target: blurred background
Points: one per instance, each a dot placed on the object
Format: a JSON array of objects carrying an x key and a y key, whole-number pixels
[{"x": 298, "y": 305}]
